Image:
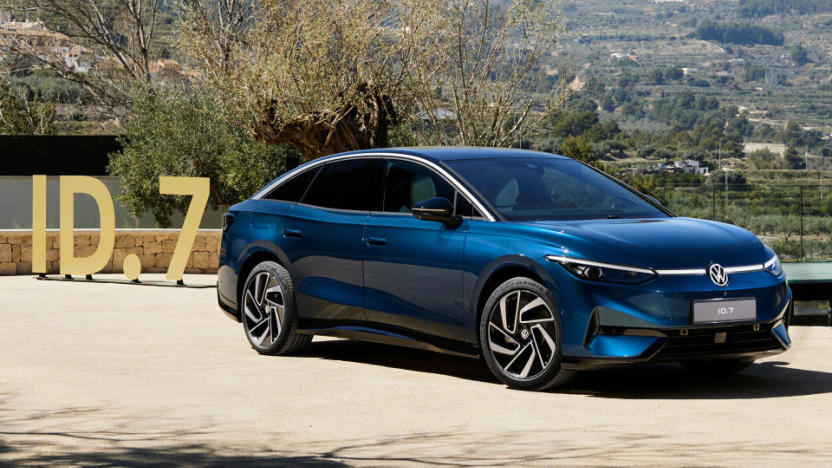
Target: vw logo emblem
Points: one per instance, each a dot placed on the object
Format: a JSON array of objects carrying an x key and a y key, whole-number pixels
[{"x": 718, "y": 275}]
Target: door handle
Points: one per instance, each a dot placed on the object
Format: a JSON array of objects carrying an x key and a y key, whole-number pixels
[
  {"x": 376, "y": 241},
  {"x": 293, "y": 233}
]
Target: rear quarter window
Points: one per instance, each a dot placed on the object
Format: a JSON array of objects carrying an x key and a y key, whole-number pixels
[
  {"x": 346, "y": 185},
  {"x": 293, "y": 189}
]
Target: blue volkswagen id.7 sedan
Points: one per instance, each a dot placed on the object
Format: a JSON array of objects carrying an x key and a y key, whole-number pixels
[{"x": 538, "y": 263}]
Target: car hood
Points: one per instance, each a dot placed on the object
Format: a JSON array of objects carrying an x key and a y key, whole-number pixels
[{"x": 658, "y": 243}]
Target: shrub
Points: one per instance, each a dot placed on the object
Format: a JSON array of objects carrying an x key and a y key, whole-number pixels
[{"x": 184, "y": 133}]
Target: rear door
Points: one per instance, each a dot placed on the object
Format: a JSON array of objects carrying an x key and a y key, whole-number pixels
[{"x": 323, "y": 239}]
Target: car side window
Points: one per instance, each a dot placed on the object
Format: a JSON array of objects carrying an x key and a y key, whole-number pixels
[
  {"x": 293, "y": 189},
  {"x": 345, "y": 185},
  {"x": 463, "y": 207},
  {"x": 408, "y": 183}
]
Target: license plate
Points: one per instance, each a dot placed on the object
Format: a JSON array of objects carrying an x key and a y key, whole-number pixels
[{"x": 721, "y": 310}]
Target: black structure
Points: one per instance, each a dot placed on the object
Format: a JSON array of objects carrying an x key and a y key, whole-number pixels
[{"x": 25, "y": 155}]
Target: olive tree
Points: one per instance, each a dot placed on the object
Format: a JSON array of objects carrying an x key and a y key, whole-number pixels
[
  {"x": 183, "y": 133},
  {"x": 332, "y": 75},
  {"x": 472, "y": 77},
  {"x": 21, "y": 116}
]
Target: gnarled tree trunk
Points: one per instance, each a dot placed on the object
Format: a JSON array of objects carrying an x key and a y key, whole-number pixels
[{"x": 360, "y": 124}]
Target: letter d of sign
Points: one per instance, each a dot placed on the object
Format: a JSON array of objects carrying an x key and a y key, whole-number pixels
[{"x": 71, "y": 265}]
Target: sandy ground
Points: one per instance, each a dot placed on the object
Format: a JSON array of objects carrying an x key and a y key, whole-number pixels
[{"x": 113, "y": 375}]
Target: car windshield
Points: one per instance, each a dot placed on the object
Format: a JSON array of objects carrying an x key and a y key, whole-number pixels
[{"x": 539, "y": 188}]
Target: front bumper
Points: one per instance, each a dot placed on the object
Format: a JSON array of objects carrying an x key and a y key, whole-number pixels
[
  {"x": 612, "y": 346},
  {"x": 606, "y": 324}
]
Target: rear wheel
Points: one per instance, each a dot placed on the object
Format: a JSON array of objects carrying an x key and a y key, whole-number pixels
[
  {"x": 520, "y": 336},
  {"x": 717, "y": 366},
  {"x": 267, "y": 310}
]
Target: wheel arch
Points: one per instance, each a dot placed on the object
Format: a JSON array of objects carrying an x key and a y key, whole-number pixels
[
  {"x": 500, "y": 271},
  {"x": 256, "y": 253}
]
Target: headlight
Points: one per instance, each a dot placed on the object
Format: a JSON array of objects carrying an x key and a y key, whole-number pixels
[
  {"x": 773, "y": 266},
  {"x": 603, "y": 272}
]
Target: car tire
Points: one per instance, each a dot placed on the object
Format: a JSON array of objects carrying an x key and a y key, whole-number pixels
[
  {"x": 520, "y": 336},
  {"x": 717, "y": 366},
  {"x": 268, "y": 311}
]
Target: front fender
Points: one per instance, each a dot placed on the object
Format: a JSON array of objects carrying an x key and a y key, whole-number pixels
[
  {"x": 509, "y": 262},
  {"x": 500, "y": 268}
]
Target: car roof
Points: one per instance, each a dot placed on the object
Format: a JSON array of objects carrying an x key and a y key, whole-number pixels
[{"x": 448, "y": 153}]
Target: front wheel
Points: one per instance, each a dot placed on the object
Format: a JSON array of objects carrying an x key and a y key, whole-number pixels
[
  {"x": 268, "y": 311},
  {"x": 520, "y": 336}
]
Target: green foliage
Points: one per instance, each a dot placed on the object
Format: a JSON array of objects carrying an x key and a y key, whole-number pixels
[
  {"x": 656, "y": 77},
  {"x": 754, "y": 73},
  {"x": 331, "y": 76},
  {"x": 794, "y": 159},
  {"x": 51, "y": 88},
  {"x": 588, "y": 126},
  {"x": 735, "y": 33},
  {"x": 757, "y": 8},
  {"x": 578, "y": 147},
  {"x": 729, "y": 177},
  {"x": 799, "y": 54},
  {"x": 644, "y": 184},
  {"x": 573, "y": 123},
  {"x": 794, "y": 135},
  {"x": 610, "y": 149},
  {"x": 698, "y": 82},
  {"x": 673, "y": 73},
  {"x": 670, "y": 179},
  {"x": 739, "y": 125},
  {"x": 765, "y": 159},
  {"x": 21, "y": 116},
  {"x": 684, "y": 109},
  {"x": 180, "y": 133},
  {"x": 764, "y": 131}
]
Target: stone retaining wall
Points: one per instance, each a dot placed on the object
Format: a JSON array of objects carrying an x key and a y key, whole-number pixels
[{"x": 154, "y": 248}]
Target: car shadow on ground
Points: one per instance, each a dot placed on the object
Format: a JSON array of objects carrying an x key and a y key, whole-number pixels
[
  {"x": 768, "y": 379},
  {"x": 400, "y": 358}
]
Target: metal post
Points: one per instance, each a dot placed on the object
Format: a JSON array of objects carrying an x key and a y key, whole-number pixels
[
  {"x": 725, "y": 203},
  {"x": 802, "y": 251},
  {"x": 725, "y": 178},
  {"x": 713, "y": 200}
]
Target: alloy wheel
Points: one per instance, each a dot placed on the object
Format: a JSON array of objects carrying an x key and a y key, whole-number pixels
[
  {"x": 522, "y": 334},
  {"x": 264, "y": 310}
]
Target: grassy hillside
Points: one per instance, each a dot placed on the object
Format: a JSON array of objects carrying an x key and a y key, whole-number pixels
[{"x": 764, "y": 78}]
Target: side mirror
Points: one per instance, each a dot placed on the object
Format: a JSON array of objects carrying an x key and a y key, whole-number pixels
[{"x": 436, "y": 209}]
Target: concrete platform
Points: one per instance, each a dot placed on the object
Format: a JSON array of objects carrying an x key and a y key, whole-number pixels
[{"x": 116, "y": 374}]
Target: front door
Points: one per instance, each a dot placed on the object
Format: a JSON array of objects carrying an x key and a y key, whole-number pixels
[{"x": 413, "y": 268}]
